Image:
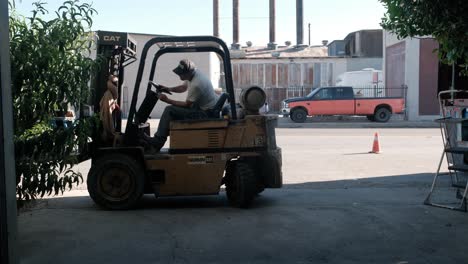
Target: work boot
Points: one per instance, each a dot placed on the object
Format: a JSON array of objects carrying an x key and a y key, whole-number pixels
[{"x": 156, "y": 142}]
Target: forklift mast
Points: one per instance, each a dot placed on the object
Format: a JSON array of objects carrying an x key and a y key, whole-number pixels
[{"x": 116, "y": 51}]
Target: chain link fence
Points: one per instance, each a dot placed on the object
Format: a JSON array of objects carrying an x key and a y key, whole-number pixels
[{"x": 275, "y": 95}]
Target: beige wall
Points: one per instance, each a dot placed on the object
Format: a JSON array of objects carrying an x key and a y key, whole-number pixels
[{"x": 412, "y": 78}]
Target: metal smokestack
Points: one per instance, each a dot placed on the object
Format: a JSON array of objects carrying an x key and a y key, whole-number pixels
[
  {"x": 216, "y": 18},
  {"x": 299, "y": 22},
  {"x": 272, "y": 44},
  {"x": 235, "y": 25}
]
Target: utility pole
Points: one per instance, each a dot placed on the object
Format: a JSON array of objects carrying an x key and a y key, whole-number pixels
[
  {"x": 8, "y": 218},
  {"x": 309, "y": 34}
]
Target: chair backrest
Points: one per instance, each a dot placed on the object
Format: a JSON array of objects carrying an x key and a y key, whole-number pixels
[
  {"x": 215, "y": 112},
  {"x": 220, "y": 103}
]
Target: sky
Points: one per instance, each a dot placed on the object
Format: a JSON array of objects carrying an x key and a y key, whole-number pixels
[{"x": 330, "y": 19}]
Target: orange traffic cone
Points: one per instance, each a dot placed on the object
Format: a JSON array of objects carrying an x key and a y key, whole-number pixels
[{"x": 376, "y": 145}]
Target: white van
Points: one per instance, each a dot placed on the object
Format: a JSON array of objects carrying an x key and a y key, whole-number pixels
[{"x": 366, "y": 82}]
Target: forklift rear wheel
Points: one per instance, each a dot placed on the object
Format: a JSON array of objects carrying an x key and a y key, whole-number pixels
[
  {"x": 241, "y": 185},
  {"x": 116, "y": 182}
]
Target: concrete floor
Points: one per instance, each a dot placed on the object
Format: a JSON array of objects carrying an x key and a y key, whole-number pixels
[{"x": 339, "y": 204}]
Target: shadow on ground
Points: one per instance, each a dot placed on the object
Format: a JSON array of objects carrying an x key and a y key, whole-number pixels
[
  {"x": 372, "y": 220},
  {"x": 420, "y": 182}
]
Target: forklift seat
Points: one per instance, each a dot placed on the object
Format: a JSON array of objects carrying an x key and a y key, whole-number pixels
[
  {"x": 216, "y": 111},
  {"x": 213, "y": 113}
]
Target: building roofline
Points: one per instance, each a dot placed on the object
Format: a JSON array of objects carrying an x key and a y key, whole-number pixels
[
  {"x": 135, "y": 33},
  {"x": 295, "y": 58},
  {"x": 336, "y": 40},
  {"x": 291, "y": 58},
  {"x": 363, "y": 30}
]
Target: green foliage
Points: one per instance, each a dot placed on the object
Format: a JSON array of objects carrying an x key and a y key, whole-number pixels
[
  {"x": 50, "y": 71},
  {"x": 445, "y": 20}
]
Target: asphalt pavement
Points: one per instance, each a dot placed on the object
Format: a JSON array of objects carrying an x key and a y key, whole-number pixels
[
  {"x": 397, "y": 121},
  {"x": 339, "y": 204}
]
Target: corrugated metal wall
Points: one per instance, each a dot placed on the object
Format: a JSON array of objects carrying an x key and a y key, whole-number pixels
[
  {"x": 282, "y": 80},
  {"x": 395, "y": 65},
  {"x": 267, "y": 75}
]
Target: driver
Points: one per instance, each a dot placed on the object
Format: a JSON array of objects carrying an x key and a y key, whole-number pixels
[{"x": 200, "y": 97}]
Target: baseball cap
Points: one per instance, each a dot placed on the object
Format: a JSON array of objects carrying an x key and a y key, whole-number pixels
[{"x": 185, "y": 66}]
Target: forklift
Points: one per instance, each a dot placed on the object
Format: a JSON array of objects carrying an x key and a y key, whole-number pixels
[{"x": 234, "y": 145}]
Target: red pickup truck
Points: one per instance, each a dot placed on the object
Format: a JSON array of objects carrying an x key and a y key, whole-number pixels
[{"x": 341, "y": 101}]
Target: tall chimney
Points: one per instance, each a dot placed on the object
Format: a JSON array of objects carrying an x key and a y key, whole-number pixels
[
  {"x": 299, "y": 22},
  {"x": 272, "y": 44},
  {"x": 235, "y": 24},
  {"x": 216, "y": 18}
]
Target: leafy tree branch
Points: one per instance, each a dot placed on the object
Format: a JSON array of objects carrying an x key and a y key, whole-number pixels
[
  {"x": 445, "y": 20},
  {"x": 50, "y": 73}
]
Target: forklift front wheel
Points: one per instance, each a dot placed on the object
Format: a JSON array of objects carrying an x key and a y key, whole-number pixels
[
  {"x": 241, "y": 184},
  {"x": 116, "y": 182}
]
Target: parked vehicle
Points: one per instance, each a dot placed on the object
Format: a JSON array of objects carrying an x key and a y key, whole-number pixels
[
  {"x": 341, "y": 101},
  {"x": 365, "y": 78}
]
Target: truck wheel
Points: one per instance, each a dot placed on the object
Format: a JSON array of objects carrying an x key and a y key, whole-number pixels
[
  {"x": 299, "y": 116},
  {"x": 116, "y": 182},
  {"x": 241, "y": 185},
  {"x": 371, "y": 118},
  {"x": 382, "y": 115}
]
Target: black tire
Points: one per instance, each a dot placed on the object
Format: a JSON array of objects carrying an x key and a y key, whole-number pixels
[
  {"x": 299, "y": 116},
  {"x": 241, "y": 184},
  {"x": 371, "y": 118},
  {"x": 382, "y": 115},
  {"x": 116, "y": 182}
]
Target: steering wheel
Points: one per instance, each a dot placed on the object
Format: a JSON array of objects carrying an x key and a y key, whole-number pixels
[{"x": 159, "y": 88}]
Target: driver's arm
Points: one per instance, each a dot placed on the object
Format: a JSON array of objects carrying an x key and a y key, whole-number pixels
[
  {"x": 177, "y": 89},
  {"x": 176, "y": 103}
]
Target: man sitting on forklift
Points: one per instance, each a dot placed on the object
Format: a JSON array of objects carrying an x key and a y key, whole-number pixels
[{"x": 201, "y": 97}]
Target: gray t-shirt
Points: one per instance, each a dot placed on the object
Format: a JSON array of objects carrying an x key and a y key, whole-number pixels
[{"x": 201, "y": 92}]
